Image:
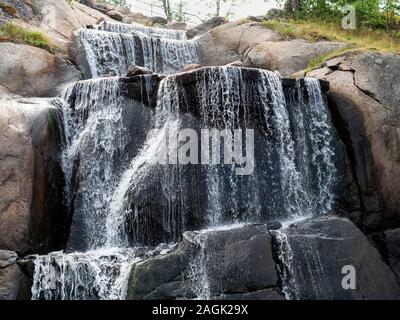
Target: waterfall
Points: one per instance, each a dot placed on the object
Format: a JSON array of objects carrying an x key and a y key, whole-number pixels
[
  {"x": 129, "y": 191},
  {"x": 198, "y": 273},
  {"x": 314, "y": 139},
  {"x": 83, "y": 276},
  {"x": 226, "y": 192},
  {"x": 98, "y": 135},
  {"x": 101, "y": 274},
  {"x": 285, "y": 265},
  {"x": 148, "y": 31},
  {"x": 133, "y": 179},
  {"x": 111, "y": 54}
]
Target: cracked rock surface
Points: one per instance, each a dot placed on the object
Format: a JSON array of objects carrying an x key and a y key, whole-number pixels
[{"x": 364, "y": 98}]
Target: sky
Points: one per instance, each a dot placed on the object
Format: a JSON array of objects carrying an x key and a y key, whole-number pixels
[{"x": 243, "y": 9}]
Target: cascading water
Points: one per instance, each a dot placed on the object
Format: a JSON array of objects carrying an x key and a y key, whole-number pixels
[
  {"x": 99, "y": 140},
  {"x": 285, "y": 266},
  {"x": 129, "y": 192},
  {"x": 316, "y": 146},
  {"x": 98, "y": 134},
  {"x": 82, "y": 276},
  {"x": 111, "y": 54},
  {"x": 135, "y": 27},
  {"x": 298, "y": 199}
]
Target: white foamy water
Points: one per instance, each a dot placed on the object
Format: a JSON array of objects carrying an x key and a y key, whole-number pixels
[{"x": 111, "y": 54}]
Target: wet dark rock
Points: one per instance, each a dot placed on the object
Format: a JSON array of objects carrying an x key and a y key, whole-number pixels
[
  {"x": 392, "y": 241},
  {"x": 274, "y": 225},
  {"x": 266, "y": 294},
  {"x": 321, "y": 247},
  {"x": 239, "y": 264},
  {"x": 135, "y": 71}
]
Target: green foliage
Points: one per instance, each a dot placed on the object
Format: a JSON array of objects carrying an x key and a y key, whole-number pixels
[
  {"x": 317, "y": 29},
  {"x": 15, "y": 33},
  {"x": 375, "y": 14}
]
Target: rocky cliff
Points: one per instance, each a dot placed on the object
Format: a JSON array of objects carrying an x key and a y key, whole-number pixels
[{"x": 363, "y": 96}]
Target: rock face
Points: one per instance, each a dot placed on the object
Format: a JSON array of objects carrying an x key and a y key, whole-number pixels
[
  {"x": 116, "y": 15},
  {"x": 137, "y": 71},
  {"x": 9, "y": 275},
  {"x": 104, "y": 7},
  {"x": 365, "y": 97},
  {"x": 392, "y": 240},
  {"x": 227, "y": 43},
  {"x": 31, "y": 215},
  {"x": 286, "y": 57},
  {"x": 229, "y": 264},
  {"x": 321, "y": 248},
  {"x": 191, "y": 67},
  {"x": 15, "y": 281},
  {"x": 10, "y": 9},
  {"x": 206, "y": 26},
  {"x": 56, "y": 19},
  {"x": 157, "y": 21},
  {"x": 259, "y": 47},
  {"x": 30, "y": 71}
]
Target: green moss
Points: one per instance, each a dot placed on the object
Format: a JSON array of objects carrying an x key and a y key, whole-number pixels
[
  {"x": 319, "y": 60},
  {"x": 15, "y": 33}
]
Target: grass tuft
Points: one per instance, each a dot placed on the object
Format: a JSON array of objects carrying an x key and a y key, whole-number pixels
[{"x": 18, "y": 34}]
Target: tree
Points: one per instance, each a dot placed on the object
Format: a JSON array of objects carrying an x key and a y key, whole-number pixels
[
  {"x": 180, "y": 15},
  {"x": 166, "y": 4},
  {"x": 222, "y": 7}
]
